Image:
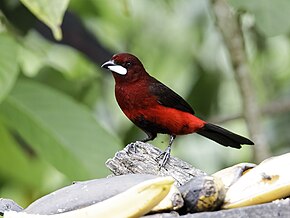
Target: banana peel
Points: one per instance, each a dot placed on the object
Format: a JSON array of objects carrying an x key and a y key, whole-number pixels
[
  {"x": 172, "y": 201},
  {"x": 134, "y": 202},
  {"x": 268, "y": 181},
  {"x": 204, "y": 193},
  {"x": 231, "y": 174},
  {"x": 85, "y": 193}
]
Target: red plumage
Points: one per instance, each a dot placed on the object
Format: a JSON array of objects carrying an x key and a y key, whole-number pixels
[{"x": 155, "y": 108}]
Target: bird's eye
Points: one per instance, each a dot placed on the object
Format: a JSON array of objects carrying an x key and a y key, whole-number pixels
[{"x": 128, "y": 64}]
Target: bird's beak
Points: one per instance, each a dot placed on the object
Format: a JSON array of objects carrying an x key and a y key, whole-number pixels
[{"x": 114, "y": 67}]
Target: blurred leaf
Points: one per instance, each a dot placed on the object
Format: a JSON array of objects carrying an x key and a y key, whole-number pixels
[
  {"x": 37, "y": 53},
  {"x": 63, "y": 132},
  {"x": 50, "y": 12},
  {"x": 33, "y": 53},
  {"x": 207, "y": 82},
  {"x": 80, "y": 8},
  {"x": 8, "y": 64},
  {"x": 86, "y": 91},
  {"x": 69, "y": 61},
  {"x": 15, "y": 164},
  {"x": 271, "y": 16}
]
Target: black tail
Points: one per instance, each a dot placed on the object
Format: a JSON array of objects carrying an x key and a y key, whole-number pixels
[{"x": 223, "y": 136}]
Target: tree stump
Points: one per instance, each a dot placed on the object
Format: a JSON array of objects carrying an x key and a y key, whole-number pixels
[{"x": 144, "y": 158}]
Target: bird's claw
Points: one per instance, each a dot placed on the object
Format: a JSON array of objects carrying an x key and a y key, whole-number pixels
[
  {"x": 164, "y": 159},
  {"x": 164, "y": 156},
  {"x": 132, "y": 147}
]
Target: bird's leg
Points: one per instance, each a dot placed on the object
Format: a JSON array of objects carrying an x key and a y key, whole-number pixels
[
  {"x": 166, "y": 153},
  {"x": 150, "y": 136}
]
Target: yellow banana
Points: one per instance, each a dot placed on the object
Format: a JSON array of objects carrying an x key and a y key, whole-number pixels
[
  {"x": 172, "y": 201},
  {"x": 231, "y": 174},
  {"x": 134, "y": 202},
  {"x": 268, "y": 181}
]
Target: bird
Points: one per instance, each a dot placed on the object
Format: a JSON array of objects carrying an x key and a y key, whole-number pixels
[{"x": 155, "y": 108}]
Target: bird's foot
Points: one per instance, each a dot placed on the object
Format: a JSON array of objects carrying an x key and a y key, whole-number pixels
[
  {"x": 132, "y": 147},
  {"x": 150, "y": 137},
  {"x": 145, "y": 140},
  {"x": 164, "y": 157}
]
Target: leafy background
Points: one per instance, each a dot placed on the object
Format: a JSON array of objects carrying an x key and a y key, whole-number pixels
[{"x": 59, "y": 121}]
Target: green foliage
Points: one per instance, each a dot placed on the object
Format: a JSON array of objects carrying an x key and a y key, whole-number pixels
[
  {"x": 50, "y": 12},
  {"x": 37, "y": 53},
  {"x": 16, "y": 165},
  {"x": 60, "y": 130},
  {"x": 270, "y": 16},
  {"x": 8, "y": 68}
]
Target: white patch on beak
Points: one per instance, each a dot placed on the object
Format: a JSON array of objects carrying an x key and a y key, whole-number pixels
[{"x": 118, "y": 69}]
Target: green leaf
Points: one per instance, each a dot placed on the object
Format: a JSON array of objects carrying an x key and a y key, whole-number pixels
[
  {"x": 60, "y": 130},
  {"x": 17, "y": 165},
  {"x": 271, "y": 16},
  {"x": 70, "y": 62},
  {"x": 50, "y": 12},
  {"x": 32, "y": 53},
  {"x": 8, "y": 64},
  {"x": 37, "y": 53}
]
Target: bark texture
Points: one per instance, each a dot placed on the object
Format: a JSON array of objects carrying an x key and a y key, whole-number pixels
[{"x": 144, "y": 158}]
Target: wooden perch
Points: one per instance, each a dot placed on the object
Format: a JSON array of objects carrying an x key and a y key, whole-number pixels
[{"x": 143, "y": 158}]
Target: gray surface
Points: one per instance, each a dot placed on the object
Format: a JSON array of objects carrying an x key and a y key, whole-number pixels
[
  {"x": 82, "y": 194},
  {"x": 279, "y": 208}
]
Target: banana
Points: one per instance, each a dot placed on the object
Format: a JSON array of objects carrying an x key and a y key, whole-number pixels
[
  {"x": 268, "y": 181},
  {"x": 231, "y": 174},
  {"x": 203, "y": 193},
  {"x": 172, "y": 201},
  {"x": 84, "y": 193},
  {"x": 134, "y": 202}
]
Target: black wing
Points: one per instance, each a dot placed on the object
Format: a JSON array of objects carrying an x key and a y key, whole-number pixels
[{"x": 167, "y": 97}]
